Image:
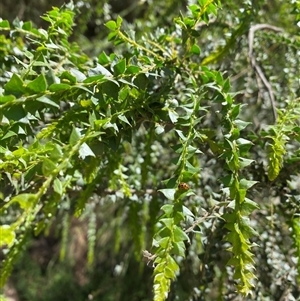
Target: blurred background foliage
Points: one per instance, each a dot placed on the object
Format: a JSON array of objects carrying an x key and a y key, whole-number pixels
[{"x": 61, "y": 265}]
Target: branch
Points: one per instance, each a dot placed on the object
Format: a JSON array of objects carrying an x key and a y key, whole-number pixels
[
  {"x": 200, "y": 220},
  {"x": 256, "y": 67}
]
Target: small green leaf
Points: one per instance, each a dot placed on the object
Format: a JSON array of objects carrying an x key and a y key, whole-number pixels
[
  {"x": 180, "y": 134},
  {"x": 112, "y": 25},
  {"x": 159, "y": 129},
  {"x": 85, "y": 151},
  {"x": 8, "y": 135},
  {"x": 168, "y": 193},
  {"x": 124, "y": 119},
  {"x": 169, "y": 273},
  {"x": 193, "y": 150},
  {"x": 163, "y": 242},
  {"x": 27, "y": 26},
  {"x": 173, "y": 116},
  {"x": 164, "y": 232},
  {"x": 179, "y": 248},
  {"x": 15, "y": 86},
  {"x": 4, "y": 24},
  {"x": 195, "y": 49},
  {"x": 187, "y": 211},
  {"x": 246, "y": 228},
  {"x": 244, "y": 162},
  {"x": 159, "y": 268},
  {"x": 167, "y": 208},
  {"x": 248, "y": 206},
  {"x": 179, "y": 234},
  {"x": 246, "y": 184},
  {"x": 141, "y": 81},
  {"x": 194, "y": 8},
  {"x": 99, "y": 69},
  {"x": 124, "y": 92},
  {"x": 75, "y": 136},
  {"x": 190, "y": 169},
  {"x": 131, "y": 69},
  {"x": 242, "y": 141},
  {"x": 233, "y": 261},
  {"x": 57, "y": 186},
  {"x": 59, "y": 87},
  {"x": 48, "y": 167},
  {"x": 56, "y": 152},
  {"x": 103, "y": 59},
  {"x": 119, "y": 21},
  {"x": 226, "y": 88},
  {"x": 7, "y": 98},
  {"x": 276, "y": 151},
  {"x": 219, "y": 78},
  {"x": 111, "y": 35},
  {"x": 120, "y": 67},
  {"x": 25, "y": 200},
  {"x": 168, "y": 222},
  {"x": 44, "y": 99},
  {"x": 172, "y": 264},
  {"x": 158, "y": 277},
  {"x": 240, "y": 196},
  {"x": 7, "y": 236},
  {"x": 15, "y": 113},
  {"x": 85, "y": 103},
  {"x": 96, "y": 78},
  {"x": 67, "y": 76}
]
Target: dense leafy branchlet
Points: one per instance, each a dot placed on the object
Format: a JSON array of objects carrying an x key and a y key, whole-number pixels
[{"x": 69, "y": 125}]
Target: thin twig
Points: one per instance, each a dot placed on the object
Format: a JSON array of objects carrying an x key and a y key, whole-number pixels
[
  {"x": 200, "y": 220},
  {"x": 149, "y": 257},
  {"x": 256, "y": 66}
]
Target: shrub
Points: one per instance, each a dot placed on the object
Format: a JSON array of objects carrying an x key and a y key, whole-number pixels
[{"x": 157, "y": 133}]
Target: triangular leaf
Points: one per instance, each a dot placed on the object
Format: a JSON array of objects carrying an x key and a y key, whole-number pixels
[
  {"x": 124, "y": 119},
  {"x": 85, "y": 151},
  {"x": 48, "y": 167},
  {"x": 168, "y": 193},
  {"x": 57, "y": 186},
  {"x": 15, "y": 86},
  {"x": 179, "y": 234},
  {"x": 38, "y": 85},
  {"x": 120, "y": 67},
  {"x": 75, "y": 136},
  {"x": 44, "y": 99}
]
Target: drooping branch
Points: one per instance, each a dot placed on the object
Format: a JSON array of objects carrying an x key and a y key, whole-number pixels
[{"x": 256, "y": 67}]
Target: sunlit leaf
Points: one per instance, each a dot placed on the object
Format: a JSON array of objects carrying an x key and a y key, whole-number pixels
[
  {"x": 7, "y": 236},
  {"x": 85, "y": 151},
  {"x": 111, "y": 25},
  {"x": 168, "y": 193},
  {"x": 25, "y": 200},
  {"x": 38, "y": 85}
]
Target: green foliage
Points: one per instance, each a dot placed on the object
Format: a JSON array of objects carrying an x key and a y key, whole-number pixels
[
  {"x": 234, "y": 149},
  {"x": 150, "y": 146},
  {"x": 296, "y": 228},
  {"x": 280, "y": 133}
]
